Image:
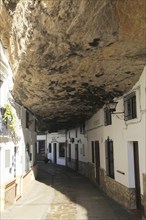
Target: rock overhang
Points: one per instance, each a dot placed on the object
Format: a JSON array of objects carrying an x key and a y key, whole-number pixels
[{"x": 70, "y": 57}]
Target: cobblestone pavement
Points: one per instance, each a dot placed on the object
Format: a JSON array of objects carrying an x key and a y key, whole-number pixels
[
  {"x": 76, "y": 198},
  {"x": 62, "y": 194}
]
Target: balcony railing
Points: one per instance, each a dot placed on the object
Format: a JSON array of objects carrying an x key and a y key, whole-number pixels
[
  {"x": 3, "y": 128},
  {"x": 3, "y": 125}
]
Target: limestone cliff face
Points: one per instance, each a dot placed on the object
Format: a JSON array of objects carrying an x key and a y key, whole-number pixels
[{"x": 69, "y": 57}]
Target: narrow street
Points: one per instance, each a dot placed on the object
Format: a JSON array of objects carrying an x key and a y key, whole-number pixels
[{"x": 61, "y": 194}]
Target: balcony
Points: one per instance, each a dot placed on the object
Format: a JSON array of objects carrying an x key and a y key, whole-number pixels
[{"x": 4, "y": 131}]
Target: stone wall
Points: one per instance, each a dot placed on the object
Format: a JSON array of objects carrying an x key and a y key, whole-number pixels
[
  {"x": 86, "y": 169},
  {"x": 109, "y": 31},
  {"x": 120, "y": 193},
  {"x": 117, "y": 191},
  {"x": 71, "y": 163}
]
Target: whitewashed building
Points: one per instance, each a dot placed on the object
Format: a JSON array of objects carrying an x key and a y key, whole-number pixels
[
  {"x": 17, "y": 140},
  {"x": 52, "y": 146},
  {"x": 77, "y": 151},
  {"x": 115, "y": 148}
]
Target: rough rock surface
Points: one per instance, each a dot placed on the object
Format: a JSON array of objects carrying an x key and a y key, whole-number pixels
[{"x": 70, "y": 56}]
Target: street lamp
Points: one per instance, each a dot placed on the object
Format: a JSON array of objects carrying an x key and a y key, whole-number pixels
[{"x": 112, "y": 107}]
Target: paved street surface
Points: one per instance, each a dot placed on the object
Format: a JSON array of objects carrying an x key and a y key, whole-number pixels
[{"x": 61, "y": 194}]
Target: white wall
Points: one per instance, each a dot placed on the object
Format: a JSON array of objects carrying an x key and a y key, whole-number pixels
[
  {"x": 94, "y": 128},
  {"x": 22, "y": 136},
  {"x": 56, "y": 138},
  {"x": 81, "y": 140},
  {"x": 123, "y": 133}
]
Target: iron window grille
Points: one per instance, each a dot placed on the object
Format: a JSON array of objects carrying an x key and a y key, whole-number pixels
[
  {"x": 130, "y": 107},
  {"x": 61, "y": 149},
  {"x": 69, "y": 152},
  {"x": 76, "y": 132},
  {"x": 107, "y": 117},
  {"x": 50, "y": 148},
  {"x": 93, "y": 153},
  {"x": 27, "y": 119},
  {"x": 109, "y": 158}
]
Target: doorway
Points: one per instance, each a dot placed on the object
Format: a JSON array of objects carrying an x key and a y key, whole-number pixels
[
  {"x": 97, "y": 162},
  {"x": 76, "y": 157},
  {"x": 55, "y": 153},
  {"x": 137, "y": 175},
  {"x": 41, "y": 150}
]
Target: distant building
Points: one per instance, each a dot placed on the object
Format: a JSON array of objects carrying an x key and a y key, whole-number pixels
[
  {"x": 53, "y": 147},
  {"x": 17, "y": 140}
]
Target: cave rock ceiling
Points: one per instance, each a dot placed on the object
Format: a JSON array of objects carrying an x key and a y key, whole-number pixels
[{"x": 71, "y": 56}]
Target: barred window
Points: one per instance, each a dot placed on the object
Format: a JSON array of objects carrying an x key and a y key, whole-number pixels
[
  {"x": 27, "y": 119},
  {"x": 130, "y": 106},
  {"x": 61, "y": 149},
  {"x": 50, "y": 148},
  {"x": 107, "y": 117},
  {"x": 109, "y": 158},
  {"x": 93, "y": 153},
  {"x": 69, "y": 152}
]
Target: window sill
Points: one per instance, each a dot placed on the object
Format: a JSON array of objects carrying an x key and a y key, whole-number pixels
[{"x": 132, "y": 121}]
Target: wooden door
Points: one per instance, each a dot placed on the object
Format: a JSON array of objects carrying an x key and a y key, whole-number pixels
[
  {"x": 41, "y": 150},
  {"x": 76, "y": 157},
  {"x": 136, "y": 172},
  {"x": 55, "y": 153},
  {"x": 97, "y": 161}
]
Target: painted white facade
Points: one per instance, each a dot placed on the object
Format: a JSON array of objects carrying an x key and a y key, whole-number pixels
[
  {"x": 77, "y": 137},
  {"x": 53, "y": 151},
  {"x": 17, "y": 151},
  {"x": 123, "y": 133}
]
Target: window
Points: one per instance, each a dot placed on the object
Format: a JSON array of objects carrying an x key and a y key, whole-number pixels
[
  {"x": 76, "y": 132},
  {"x": 107, "y": 117},
  {"x": 83, "y": 147},
  {"x": 35, "y": 125},
  {"x": 130, "y": 106},
  {"x": 92, "y": 145},
  {"x": 27, "y": 119},
  {"x": 69, "y": 152},
  {"x": 7, "y": 158},
  {"x": 41, "y": 147},
  {"x": 3, "y": 125},
  {"x": 61, "y": 149},
  {"x": 50, "y": 149},
  {"x": 109, "y": 158},
  {"x": 82, "y": 129}
]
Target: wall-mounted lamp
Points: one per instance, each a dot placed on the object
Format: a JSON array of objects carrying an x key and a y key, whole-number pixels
[{"x": 112, "y": 107}]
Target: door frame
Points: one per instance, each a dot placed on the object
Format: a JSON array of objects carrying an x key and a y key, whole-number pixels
[
  {"x": 41, "y": 150},
  {"x": 76, "y": 157},
  {"x": 97, "y": 161},
  {"x": 137, "y": 175},
  {"x": 55, "y": 153}
]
